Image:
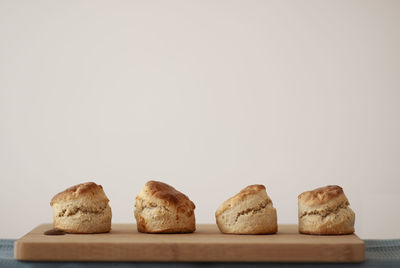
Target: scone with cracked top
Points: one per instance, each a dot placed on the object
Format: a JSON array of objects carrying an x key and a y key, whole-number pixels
[
  {"x": 82, "y": 208},
  {"x": 160, "y": 208},
  {"x": 325, "y": 211},
  {"x": 249, "y": 212}
]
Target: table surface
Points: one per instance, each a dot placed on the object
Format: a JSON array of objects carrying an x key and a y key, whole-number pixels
[{"x": 379, "y": 253}]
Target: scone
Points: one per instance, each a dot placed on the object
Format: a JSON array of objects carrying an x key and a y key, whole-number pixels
[
  {"x": 160, "y": 208},
  {"x": 82, "y": 209},
  {"x": 325, "y": 211},
  {"x": 249, "y": 212}
]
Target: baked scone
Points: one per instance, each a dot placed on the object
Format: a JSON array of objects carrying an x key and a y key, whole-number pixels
[
  {"x": 325, "y": 211},
  {"x": 82, "y": 209},
  {"x": 249, "y": 212},
  {"x": 160, "y": 208}
]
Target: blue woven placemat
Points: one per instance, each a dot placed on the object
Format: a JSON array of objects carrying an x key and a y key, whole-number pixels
[{"x": 379, "y": 253}]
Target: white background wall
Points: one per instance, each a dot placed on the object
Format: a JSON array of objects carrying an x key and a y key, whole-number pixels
[{"x": 209, "y": 96}]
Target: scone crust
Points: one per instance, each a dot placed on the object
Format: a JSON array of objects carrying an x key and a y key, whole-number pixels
[
  {"x": 160, "y": 208},
  {"x": 249, "y": 212},
  {"x": 331, "y": 194},
  {"x": 242, "y": 195},
  {"x": 168, "y": 195},
  {"x": 89, "y": 190},
  {"x": 82, "y": 208},
  {"x": 325, "y": 211}
]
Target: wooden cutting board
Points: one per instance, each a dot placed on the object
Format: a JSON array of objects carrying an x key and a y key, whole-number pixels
[{"x": 124, "y": 243}]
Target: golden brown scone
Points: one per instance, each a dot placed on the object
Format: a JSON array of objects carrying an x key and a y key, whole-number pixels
[
  {"x": 160, "y": 208},
  {"x": 325, "y": 211},
  {"x": 249, "y": 212},
  {"x": 82, "y": 209}
]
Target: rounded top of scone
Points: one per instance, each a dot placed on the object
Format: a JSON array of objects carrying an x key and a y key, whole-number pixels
[
  {"x": 256, "y": 190},
  {"x": 89, "y": 191},
  {"x": 323, "y": 195},
  {"x": 164, "y": 193}
]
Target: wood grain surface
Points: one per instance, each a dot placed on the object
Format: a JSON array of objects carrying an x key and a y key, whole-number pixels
[{"x": 207, "y": 244}]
